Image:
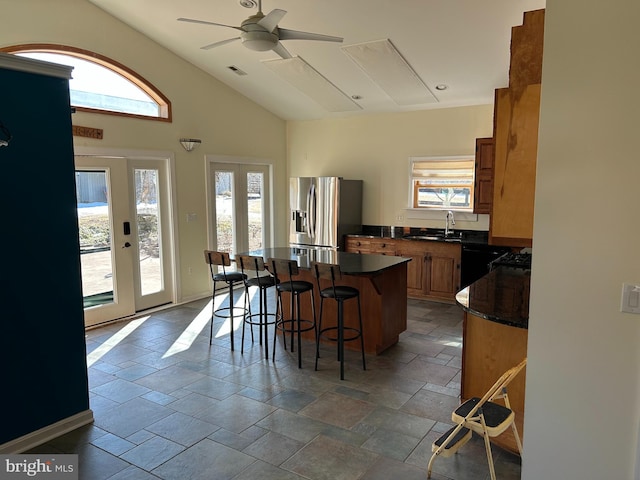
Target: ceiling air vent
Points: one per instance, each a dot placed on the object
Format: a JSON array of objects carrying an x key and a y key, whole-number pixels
[{"x": 236, "y": 70}]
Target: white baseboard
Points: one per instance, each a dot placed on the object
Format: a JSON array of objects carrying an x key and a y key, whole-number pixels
[
  {"x": 43, "y": 435},
  {"x": 193, "y": 298}
]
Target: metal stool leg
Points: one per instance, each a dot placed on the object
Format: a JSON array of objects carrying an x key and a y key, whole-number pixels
[
  {"x": 319, "y": 329},
  {"x": 364, "y": 365},
  {"x": 299, "y": 333},
  {"x": 279, "y": 315},
  {"x": 247, "y": 308},
  {"x": 264, "y": 321},
  {"x": 231, "y": 312},
  {"x": 213, "y": 312},
  {"x": 341, "y": 337}
]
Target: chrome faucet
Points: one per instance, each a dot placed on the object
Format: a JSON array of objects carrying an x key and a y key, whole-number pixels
[{"x": 448, "y": 225}]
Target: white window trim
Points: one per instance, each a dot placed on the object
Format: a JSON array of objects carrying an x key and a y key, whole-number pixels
[{"x": 434, "y": 213}]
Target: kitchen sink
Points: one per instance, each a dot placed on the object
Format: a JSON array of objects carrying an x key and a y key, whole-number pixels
[{"x": 440, "y": 237}]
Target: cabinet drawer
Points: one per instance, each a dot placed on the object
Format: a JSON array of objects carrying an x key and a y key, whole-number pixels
[
  {"x": 357, "y": 245},
  {"x": 383, "y": 247}
]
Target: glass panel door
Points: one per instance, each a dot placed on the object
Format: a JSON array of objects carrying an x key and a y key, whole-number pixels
[
  {"x": 240, "y": 200},
  {"x": 255, "y": 209},
  {"x": 124, "y": 221},
  {"x": 105, "y": 248},
  {"x": 94, "y": 224},
  {"x": 147, "y": 223},
  {"x": 153, "y": 259},
  {"x": 225, "y": 229}
]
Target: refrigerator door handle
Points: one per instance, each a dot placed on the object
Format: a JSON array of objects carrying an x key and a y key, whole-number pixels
[{"x": 311, "y": 211}]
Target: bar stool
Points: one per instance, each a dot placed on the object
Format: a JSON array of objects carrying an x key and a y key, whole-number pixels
[
  {"x": 339, "y": 293},
  {"x": 255, "y": 266},
  {"x": 221, "y": 259},
  {"x": 284, "y": 271}
]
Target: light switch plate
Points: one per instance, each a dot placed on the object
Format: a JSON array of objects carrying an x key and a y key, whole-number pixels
[{"x": 630, "y": 302}]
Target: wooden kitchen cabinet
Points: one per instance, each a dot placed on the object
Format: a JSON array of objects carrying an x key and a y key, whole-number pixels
[
  {"x": 516, "y": 153},
  {"x": 357, "y": 244},
  {"x": 383, "y": 246},
  {"x": 434, "y": 270},
  {"x": 380, "y": 246},
  {"x": 516, "y": 115},
  {"x": 416, "y": 276},
  {"x": 443, "y": 271},
  {"x": 489, "y": 349},
  {"x": 483, "y": 188}
]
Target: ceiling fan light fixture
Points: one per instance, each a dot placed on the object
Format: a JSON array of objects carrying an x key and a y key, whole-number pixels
[{"x": 259, "y": 41}]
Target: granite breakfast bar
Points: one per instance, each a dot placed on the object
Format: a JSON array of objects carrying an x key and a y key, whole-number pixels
[
  {"x": 496, "y": 318},
  {"x": 381, "y": 280}
]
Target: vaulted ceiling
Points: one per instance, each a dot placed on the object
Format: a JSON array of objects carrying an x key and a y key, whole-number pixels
[{"x": 396, "y": 55}]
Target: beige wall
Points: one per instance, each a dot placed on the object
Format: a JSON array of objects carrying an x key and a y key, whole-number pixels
[
  {"x": 376, "y": 149},
  {"x": 227, "y": 123},
  {"x": 583, "y": 377}
]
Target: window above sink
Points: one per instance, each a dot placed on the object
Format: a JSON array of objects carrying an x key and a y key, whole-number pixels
[{"x": 442, "y": 183}]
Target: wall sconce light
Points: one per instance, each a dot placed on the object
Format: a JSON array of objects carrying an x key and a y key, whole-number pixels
[{"x": 190, "y": 143}]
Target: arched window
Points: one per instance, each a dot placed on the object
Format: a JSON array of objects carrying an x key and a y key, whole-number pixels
[{"x": 101, "y": 85}]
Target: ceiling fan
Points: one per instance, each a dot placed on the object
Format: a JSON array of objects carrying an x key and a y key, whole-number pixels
[{"x": 261, "y": 33}]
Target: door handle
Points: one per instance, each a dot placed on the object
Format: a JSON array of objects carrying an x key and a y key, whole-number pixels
[{"x": 126, "y": 245}]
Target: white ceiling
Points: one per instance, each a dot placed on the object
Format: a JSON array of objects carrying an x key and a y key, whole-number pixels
[{"x": 463, "y": 44}]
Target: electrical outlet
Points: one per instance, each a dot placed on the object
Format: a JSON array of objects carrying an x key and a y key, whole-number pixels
[
  {"x": 399, "y": 218},
  {"x": 189, "y": 270},
  {"x": 630, "y": 302}
]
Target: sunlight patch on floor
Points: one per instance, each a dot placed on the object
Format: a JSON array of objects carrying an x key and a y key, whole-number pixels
[
  {"x": 189, "y": 335},
  {"x": 114, "y": 340}
]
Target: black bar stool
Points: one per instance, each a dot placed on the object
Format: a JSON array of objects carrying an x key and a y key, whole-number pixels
[
  {"x": 221, "y": 259},
  {"x": 284, "y": 271},
  {"x": 339, "y": 293},
  {"x": 254, "y": 265}
]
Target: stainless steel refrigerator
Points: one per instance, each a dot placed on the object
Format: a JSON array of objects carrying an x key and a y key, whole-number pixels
[{"x": 323, "y": 210}]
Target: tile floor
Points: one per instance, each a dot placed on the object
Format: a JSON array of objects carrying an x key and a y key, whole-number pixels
[{"x": 167, "y": 405}]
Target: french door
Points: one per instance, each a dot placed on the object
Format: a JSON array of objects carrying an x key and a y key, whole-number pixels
[
  {"x": 239, "y": 199},
  {"x": 125, "y": 244}
]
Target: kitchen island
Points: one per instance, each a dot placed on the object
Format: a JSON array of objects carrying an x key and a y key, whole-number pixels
[
  {"x": 496, "y": 317},
  {"x": 381, "y": 280}
]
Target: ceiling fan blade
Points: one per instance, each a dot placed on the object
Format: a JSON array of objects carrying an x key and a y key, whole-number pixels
[
  {"x": 202, "y": 22},
  {"x": 286, "y": 34},
  {"x": 280, "y": 50},
  {"x": 270, "y": 22},
  {"x": 220, "y": 43}
]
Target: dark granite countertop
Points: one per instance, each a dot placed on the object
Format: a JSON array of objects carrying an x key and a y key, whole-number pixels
[
  {"x": 350, "y": 263},
  {"x": 501, "y": 296},
  {"x": 466, "y": 237}
]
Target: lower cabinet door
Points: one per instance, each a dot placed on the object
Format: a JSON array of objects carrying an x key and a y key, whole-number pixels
[{"x": 443, "y": 276}]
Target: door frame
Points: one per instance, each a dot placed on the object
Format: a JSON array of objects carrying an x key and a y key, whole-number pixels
[
  {"x": 157, "y": 155},
  {"x": 210, "y": 160}
]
